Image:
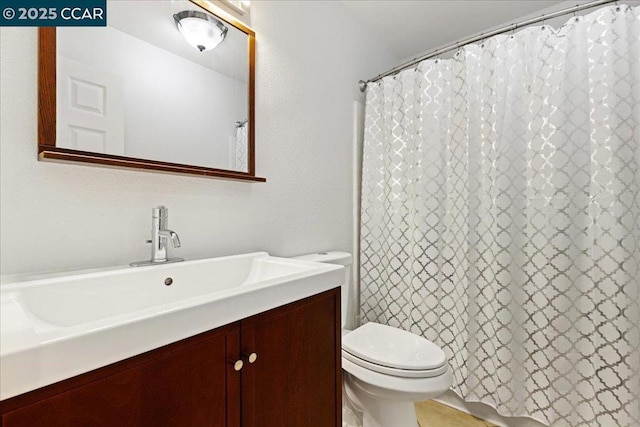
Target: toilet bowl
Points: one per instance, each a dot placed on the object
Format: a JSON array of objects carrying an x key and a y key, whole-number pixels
[{"x": 385, "y": 369}]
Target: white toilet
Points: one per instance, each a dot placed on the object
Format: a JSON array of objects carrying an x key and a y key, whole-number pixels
[{"x": 385, "y": 369}]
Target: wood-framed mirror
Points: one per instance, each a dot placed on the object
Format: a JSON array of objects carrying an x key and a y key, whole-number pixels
[{"x": 142, "y": 93}]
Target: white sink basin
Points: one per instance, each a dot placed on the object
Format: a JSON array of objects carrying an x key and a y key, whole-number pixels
[{"x": 56, "y": 328}]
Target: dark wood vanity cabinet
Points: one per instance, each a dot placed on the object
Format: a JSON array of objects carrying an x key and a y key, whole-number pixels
[{"x": 290, "y": 376}]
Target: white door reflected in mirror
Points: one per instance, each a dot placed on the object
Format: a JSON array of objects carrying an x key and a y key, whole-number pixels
[{"x": 90, "y": 109}]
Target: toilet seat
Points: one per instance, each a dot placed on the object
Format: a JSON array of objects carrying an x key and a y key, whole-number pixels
[
  {"x": 392, "y": 351},
  {"x": 396, "y": 372}
]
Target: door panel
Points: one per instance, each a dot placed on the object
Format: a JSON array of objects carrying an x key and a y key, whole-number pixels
[
  {"x": 182, "y": 388},
  {"x": 90, "y": 110},
  {"x": 296, "y": 378}
]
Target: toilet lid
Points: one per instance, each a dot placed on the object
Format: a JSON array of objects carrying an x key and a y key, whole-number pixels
[{"x": 394, "y": 348}]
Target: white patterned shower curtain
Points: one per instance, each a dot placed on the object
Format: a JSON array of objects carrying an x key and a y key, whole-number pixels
[{"x": 501, "y": 216}]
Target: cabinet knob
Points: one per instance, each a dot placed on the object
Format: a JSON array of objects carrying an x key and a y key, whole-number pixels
[
  {"x": 237, "y": 365},
  {"x": 252, "y": 357}
]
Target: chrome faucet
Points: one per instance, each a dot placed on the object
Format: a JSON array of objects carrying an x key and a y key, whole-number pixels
[{"x": 159, "y": 237}]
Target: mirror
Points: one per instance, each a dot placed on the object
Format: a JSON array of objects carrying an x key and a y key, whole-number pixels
[{"x": 146, "y": 92}]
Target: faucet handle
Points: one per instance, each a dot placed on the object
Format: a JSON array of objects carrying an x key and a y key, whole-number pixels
[{"x": 159, "y": 212}]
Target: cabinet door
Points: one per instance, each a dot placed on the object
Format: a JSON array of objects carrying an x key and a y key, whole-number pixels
[
  {"x": 183, "y": 384},
  {"x": 296, "y": 377}
]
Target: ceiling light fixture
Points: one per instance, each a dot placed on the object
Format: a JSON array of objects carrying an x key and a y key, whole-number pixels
[{"x": 202, "y": 31}]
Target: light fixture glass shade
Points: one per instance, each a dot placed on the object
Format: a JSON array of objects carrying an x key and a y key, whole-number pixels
[{"x": 202, "y": 31}]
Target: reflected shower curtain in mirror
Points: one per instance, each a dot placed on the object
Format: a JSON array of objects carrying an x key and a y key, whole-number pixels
[
  {"x": 501, "y": 216},
  {"x": 242, "y": 149}
]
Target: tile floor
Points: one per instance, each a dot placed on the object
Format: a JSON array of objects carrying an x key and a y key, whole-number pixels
[{"x": 434, "y": 414}]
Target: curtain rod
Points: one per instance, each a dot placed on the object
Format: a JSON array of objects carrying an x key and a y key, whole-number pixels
[{"x": 362, "y": 84}]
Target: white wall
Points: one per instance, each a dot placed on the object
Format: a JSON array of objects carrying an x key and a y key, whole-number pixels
[{"x": 60, "y": 216}]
